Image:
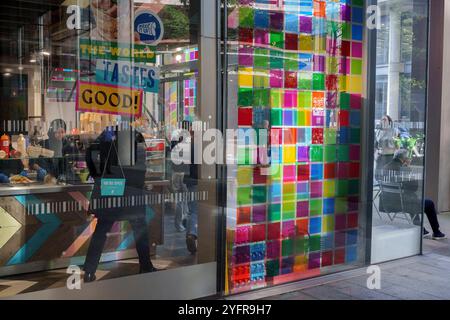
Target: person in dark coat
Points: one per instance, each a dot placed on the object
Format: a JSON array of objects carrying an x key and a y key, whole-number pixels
[
  {"x": 189, "y": 184},
  {"x": 398, "y": 170},
  {"x": 108, "y": 214}
]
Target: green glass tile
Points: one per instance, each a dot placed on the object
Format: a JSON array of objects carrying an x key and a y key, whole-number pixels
[
  {"x": 261, "y": 97},
  {"x": 276, "y": 117},
  {"x": 276, "y": 59},
  {"x": 289, "y": 196},
  {"x": 343, "y": 153},
  {"x": 288, "y": 210},
  {"x": 276, "y": 98},
  {"x": 318, "y": 81},
  {"x": 260, "y": 78},
  {"x": 273, "y": 268},
  {"x": 346, "y": 31},
  {"x": 301, "y": 245},
  {"x": 345, "y": 101},
  {"x": 316, "y": 154},
  {"x": 356, "y": 67},
  {"x": 276, "y": 172},
  {"x": 355, "y": 135},
  {"x": 276, "y": 39},
  {"x": 332, "y": 65},
  {"x": 291, "y": 61},
  {"x": 246, "y": 17},
  {"x": 341, "y": 205},
  {"x": 261, "y": 58},
  {"x": 274, "y": 212},
  {"x": 342, "y": 188},
  {"x": 304, "y": 99},
  {"x": 353, "y": 187},
  {"x": 330, "y": 153},
  {"x": 245, "y": 97},
  {"x": 305, "y": 81},
  {"x": 329, "y": 136},
  {"x": 315, "y": 207},
  {"x": 301, "y": 119},
  {"x": 287, "y": 247},
  {"x": 358, "y": 3},
  {"x": 244, "y": 156},
  {"x": 243, "y": 196},
  {"x": 314, "y": 243},
  {"x": 334, "y": 29},
  {"x": 259, "y": 194}
]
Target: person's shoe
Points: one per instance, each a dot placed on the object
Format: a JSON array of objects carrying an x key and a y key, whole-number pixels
[
  {"x": 191, "y": 243},
  {"x": 426, "y": 233},
  {"x": 89, "y": 277},
  {"x": 149, "y": 270},
  {"x": 439, "y": 236},
  {"x": 180, "y": 228}
]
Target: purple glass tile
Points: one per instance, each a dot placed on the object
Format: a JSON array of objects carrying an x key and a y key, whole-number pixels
[
  {"x": 303, "y": 154},
  {"x": 305, "y": 24},
  {"x": 273, "y": 249},
  {"x": 259, "y": 214},
  {"x": 314, "y": 260},
  {"x": 246, "y": 56},
  {"x": 288, "y": 229},
  {"x": 277, "y": 20},
  {"x": 302, "y": 209}
]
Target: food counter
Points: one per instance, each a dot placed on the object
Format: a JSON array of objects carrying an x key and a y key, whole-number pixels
[{"x": 45, "y": 227}]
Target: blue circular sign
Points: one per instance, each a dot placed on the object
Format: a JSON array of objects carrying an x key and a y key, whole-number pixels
[{"x": 149, "y": 27}]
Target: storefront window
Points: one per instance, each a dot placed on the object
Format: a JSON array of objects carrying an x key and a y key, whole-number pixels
[
  {"x": 96, "y": 98},
  {"x": 296, "y": 72},
  {"x": 400, "y": 128}
]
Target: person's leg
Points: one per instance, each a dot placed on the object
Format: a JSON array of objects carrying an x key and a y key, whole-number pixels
[
  {"x": 96, "y": 245},
  {"x": 430, "y": 211},
  {"x": 192, "y": 226},
  {"x": 177, "y": 181},
  {"x": 141, "y": 238}
]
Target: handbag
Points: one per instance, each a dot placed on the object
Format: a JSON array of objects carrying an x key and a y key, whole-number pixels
[{"x": 112, "y": 187}]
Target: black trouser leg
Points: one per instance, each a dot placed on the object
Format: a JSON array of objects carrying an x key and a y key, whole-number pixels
[
  {"x": 141, "y": 238},
  {"x": 430, "y": 211},
  {"x": 96, "y": 245}
]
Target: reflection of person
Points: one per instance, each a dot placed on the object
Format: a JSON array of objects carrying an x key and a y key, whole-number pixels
[
  {"x": 57, "y": 143},
  {"x": 385, "y": 142},
  {"x": 397, "y": 169},
  {"x": 188, "y": 186},
  {"x": 106, "y": 216}
]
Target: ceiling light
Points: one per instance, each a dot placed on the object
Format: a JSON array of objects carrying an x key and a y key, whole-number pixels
[
  {"x": 32, "y": 60},
  {"x": 45, "y": 53},
  {"x": 178, "y": 57},
  {"x": 20, "y": 67},
  {"x": 7, "y": 74}
]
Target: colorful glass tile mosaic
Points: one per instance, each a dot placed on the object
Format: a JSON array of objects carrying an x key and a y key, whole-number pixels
[
  {"x": 300, "y": 70},
  {"x": 190, "y": 99}
]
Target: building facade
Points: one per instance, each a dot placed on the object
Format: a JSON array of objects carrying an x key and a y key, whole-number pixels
[{"x": 243, "y": 144}]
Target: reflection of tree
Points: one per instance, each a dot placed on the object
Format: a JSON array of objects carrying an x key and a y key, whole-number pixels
[{"x": 176, "y": 22}]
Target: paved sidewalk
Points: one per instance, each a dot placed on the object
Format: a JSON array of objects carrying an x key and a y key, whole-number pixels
[{"x": 423, "y": 277}]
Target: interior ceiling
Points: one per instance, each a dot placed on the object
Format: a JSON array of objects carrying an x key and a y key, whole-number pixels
[{"x": 16, "y": 13}]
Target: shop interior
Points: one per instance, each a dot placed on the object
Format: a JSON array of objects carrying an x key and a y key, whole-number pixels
[{"x": 40, "y": 67}]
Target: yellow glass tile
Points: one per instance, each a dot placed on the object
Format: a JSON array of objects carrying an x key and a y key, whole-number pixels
[
  {"x": 354, "y": 84},
  {"x": 329, "y": 188},
  {"x": 306, "y": 43},
  {"x": 245, "y": 175},
  {"x": 245, "y": 77},
  {"x": 289, "y": 155},
  {"x": 328, "y": 224}
]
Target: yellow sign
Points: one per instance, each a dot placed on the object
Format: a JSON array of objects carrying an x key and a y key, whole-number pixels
[{"x": 110, "y": 99}]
